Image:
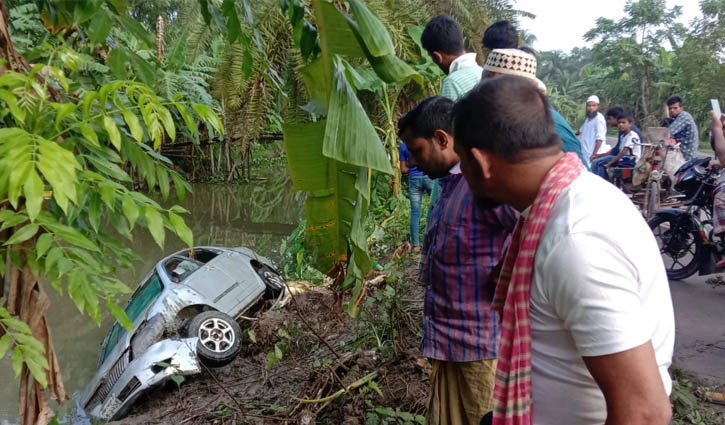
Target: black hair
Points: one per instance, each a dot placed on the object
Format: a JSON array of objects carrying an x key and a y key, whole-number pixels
[
  {"x": 442, "y": 34},
  {"x": 615, "y": 111},
  {"x": 674, "y": 99},
  {"x": 529, "y": 50},
  {"x": 626, "y": 116},
  {"x": 501, "y": 35},
  {"x": 433, "y": 113},
  {"x": 505, "y": 115}
]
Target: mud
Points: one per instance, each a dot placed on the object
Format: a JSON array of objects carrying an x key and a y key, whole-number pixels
[{"x": 320, "y": 355}]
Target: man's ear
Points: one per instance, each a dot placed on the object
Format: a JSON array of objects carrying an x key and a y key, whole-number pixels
[
  {"x": 436, "y": 56},
  {"x": 482, "y": 159},
  {"x": 442, "y": 139}
]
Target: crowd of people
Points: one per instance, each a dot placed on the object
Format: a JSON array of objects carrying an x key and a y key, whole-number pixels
[{"x": 535, "y": 311}]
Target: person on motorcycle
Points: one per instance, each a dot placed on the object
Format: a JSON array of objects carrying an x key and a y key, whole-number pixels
[
  {"x": 717, "y": 141},
  {"x": 683, "y": 127}
]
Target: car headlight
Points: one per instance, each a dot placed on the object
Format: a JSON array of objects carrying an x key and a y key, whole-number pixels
[{"x": 147, "y": 336}]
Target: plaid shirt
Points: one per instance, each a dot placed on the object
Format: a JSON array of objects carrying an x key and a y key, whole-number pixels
[{"x": 463, "y": 243}]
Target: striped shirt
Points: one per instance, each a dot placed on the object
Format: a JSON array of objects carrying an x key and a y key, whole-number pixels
[
  {"x": 463, "y": 75},
  {"x": 463, "y": 243}
]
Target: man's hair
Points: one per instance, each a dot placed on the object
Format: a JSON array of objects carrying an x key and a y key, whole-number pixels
[
  {"x": 443, "y": 34},
  {"x": 505, "y": 115},
  {"x": 529, "y": 50},
  {"x": 674, "y": 99},
  {"x": 615, "y": 111},
  {"x": 433, "y": 113},
  {"x": 501, "y": 35},
  {"x": 626, "y": 116}
]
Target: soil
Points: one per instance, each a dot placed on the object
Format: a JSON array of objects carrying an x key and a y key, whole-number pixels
[{"x": 305, "y": 331}]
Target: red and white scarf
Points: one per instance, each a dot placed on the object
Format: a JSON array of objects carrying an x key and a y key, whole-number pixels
[{"x": 512, "y": 393}]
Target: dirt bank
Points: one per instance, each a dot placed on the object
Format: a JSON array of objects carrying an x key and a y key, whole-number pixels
[{"x": 307, "y": 350}]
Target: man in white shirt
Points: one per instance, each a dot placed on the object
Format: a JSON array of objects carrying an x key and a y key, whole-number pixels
[
  {"x": 598, "y": 312},
  {"x": 594, "y": 130}
]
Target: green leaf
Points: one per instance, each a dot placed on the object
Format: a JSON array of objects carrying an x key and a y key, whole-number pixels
[
  {"x": 37, "y": 370},
  {"x": 313, "y": 76},
  {"x": 71, "y": 235},
  {"x": 130, "y": 210},
  {"x": 113, "y": 132},
  {"x": 180, "y": 185},
  {"x": 250, "y": 333},
  {"x": 163, "y": 177},
  {"x": 52, "y": 258},
  {"x": 349, "y": 135},
  {"x": 64, "y": 109},
  {"x": 11, "y": 219},
  {"x": 234, "y": 28},
  {"x": 144, "y": 71},
  {"x": 17, "y": 112},
  {"x": 94, "y": 210},
  {"x": 17, "y": 325},
  {"x": 186, "y": 115},
  {"x": 108, "y": 168},
  {"x": 133, "y": 124},
  {"x": 26, "y": 232},
  {"x": 42, "y": 245},
  {"x": 155, "y": 223},
  {"x": 17, "y": 361},
  {"x": 376, "y": 37},
  {"x": 117, "y": 61},
  {"x": 204, "y": 7},
  {"x": 334, "y": 31},
  {"x": 4, "y": 345},
  {"x": 84, "y": 10},
  {"x": 277, "y": 352},
  {"x": 181, "y": 229},
  {"x": 33, "y": 191},
  {"x": 134, "y": 27},
  {"x": 100, "y": 27},
  {"x": 89, "y": 134},
  {"x": 178, "y": 379}
]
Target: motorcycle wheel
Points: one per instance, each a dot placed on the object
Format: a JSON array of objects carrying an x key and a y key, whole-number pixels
[{"x": 678, "y": 246}]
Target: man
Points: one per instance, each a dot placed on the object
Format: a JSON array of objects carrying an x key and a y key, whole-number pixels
[
  {"x": 594, "y": 130},
  {"x": 418, "y": 184},
  {"x": 461, "y": 246},
  {"x": 522, "y": 64},
  {"x": 587, "y": 320},
  {"x": 683, "y": 128},
  {"x": 443, "y": 40},
  {"x": 600, "y": 160},
  {"x": 717, "y": 140},
  {"x": 613, "y": 115}
]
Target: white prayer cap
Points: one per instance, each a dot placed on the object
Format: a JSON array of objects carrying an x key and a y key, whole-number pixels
[{"x": 593, "y": 98}]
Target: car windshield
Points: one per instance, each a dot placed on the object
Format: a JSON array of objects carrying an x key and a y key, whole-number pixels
[
  {"x": 139, "y": 301},
  {"x": 179, "y": 268}
]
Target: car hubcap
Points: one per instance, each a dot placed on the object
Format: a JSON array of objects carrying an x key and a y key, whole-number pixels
[{"x": 216, "y": 335}]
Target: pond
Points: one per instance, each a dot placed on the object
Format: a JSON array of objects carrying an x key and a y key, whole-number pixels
[{"x": 258, "y": 215}]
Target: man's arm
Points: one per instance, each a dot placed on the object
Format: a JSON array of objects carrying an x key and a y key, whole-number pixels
[
  {"x": 632, "y": 386},
  {"x": 717, "y": 129},
  {"x": 619, "y": 156},
  {"x": 404, "y": 167}
]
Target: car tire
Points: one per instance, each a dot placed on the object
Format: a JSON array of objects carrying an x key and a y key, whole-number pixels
[
  {"x": 220, "y": 337},
  {"x": 273, "y": 282}
]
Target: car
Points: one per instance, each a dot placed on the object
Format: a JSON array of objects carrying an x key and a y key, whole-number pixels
[{"x": 184, "y": 317}]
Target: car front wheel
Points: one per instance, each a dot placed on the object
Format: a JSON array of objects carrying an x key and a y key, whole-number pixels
[{"x": 220, "y": 337}]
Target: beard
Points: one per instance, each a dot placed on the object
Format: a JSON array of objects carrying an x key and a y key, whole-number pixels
[{"x": 591, "y": 114}]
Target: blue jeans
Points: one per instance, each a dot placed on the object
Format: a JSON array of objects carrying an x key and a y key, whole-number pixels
[
  {"x": 598, "y": 165},
  {"x": 417, "y": 185}
]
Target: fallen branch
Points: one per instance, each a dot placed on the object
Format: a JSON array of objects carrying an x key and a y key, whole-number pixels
[{"x": 359, "y": 383}]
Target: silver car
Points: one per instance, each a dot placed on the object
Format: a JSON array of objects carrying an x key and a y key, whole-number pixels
[{"x": 183, "y": 312}]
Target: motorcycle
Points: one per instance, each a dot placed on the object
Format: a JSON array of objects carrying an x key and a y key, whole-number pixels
[{"x": 685, "y": 236}]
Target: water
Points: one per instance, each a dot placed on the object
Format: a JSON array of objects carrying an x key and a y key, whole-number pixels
[{"x": 258, "y": 215}]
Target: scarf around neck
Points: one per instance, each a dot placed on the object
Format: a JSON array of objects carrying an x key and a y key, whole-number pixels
[{"x": 512, "y": 391}]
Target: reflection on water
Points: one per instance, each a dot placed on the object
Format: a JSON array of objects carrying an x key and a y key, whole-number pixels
[{"x": 258, "y": 215}]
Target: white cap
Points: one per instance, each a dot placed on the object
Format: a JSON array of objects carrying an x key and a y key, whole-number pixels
[{"x": 593, "y": 98}]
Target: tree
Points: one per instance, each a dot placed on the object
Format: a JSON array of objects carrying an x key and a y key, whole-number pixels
[{"x": 64, "y": 154}]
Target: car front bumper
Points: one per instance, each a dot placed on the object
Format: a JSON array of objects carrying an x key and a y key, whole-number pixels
[{"x": 157, "y": 364}]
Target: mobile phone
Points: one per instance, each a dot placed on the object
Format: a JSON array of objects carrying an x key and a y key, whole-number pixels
[{"x": 716, "y": 107}]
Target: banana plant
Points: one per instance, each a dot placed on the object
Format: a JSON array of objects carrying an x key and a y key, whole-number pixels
[{"x": 332, "y": 158}]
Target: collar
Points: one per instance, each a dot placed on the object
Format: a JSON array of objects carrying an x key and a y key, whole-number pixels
[
  {"x": 464, "y": 61},
  {"x": 456, "y": 169}
]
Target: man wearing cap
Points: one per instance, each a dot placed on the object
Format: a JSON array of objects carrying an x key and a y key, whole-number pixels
[
  {"x": 594, "y": 130},
  {"x": 519, "y": 63}
]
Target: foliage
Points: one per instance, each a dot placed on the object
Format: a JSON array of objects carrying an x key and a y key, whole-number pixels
[
  {"x": 296, "y": 265},
  {"x": 687, "y": 409},
  {"x": 331, "y": 158},
  {"x": 379, "y": 415},
  {"x": 66, "y": 150}
]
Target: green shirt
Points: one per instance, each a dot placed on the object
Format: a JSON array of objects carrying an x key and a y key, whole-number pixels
[
  {"x": 569, "y": 140},
  {"x": 464, "y": 75}
]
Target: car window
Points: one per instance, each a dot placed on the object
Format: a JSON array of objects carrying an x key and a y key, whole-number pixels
[
  {"x": 179, "y": 268},
  {"x": 139, "y": 301}
]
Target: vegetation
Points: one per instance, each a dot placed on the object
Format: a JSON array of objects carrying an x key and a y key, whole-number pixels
[{"x": 641, "y": 60}]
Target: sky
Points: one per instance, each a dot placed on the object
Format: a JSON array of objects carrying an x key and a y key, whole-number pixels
[{"x": 561, "y": 24}]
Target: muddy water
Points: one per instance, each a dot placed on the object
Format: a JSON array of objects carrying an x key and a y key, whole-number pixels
[{"x": 258, "y": 215}]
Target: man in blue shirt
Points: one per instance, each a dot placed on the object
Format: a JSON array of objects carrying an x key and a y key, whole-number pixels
[{"x": 418, "y": 183}]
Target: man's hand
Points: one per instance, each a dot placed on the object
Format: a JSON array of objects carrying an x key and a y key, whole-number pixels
[
  {"x": 717, "y": 129},
  {"x": 632, "y": 386},
  {"x": 608, "y": 164},
  {"x": 595, "y": 156}
]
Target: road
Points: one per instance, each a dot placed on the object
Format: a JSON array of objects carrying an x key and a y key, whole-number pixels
[{"x": 700, "y": 328}]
